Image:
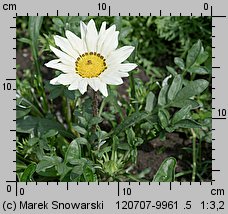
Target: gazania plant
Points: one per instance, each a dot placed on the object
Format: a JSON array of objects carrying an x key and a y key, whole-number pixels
[{"x": 113, "y": 99}]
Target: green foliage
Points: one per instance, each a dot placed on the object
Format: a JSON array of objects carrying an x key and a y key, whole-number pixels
[
  {"x": 166, "y": 172},
  {"x": 60, "y": 139}
]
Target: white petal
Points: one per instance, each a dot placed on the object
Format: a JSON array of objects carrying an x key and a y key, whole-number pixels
[
  {"x": 64, "y": 79},
  {"x": 127, "y": 67},
  {"x": 75, "y": 42},
  {"x": 122, "y": 74},
  {"x": 74, "y": 84},
  {"x": 52, "y": 63},
  {"x": 54, "y": 81},
  {"x": 102, "y": 38},
  {"x": 119, "y": 55},
  {"x": 110, "y": 44},
  {"x": 103, "y": 88},
  {"x": 65, "y": 46},
  {"x": 102, "y": 29},
  {"x": 112, "y": 78},
  {"x": 91, "y": 36},
  {"x": 94, "y": 83},
  {"x": 63, "y": 56},
  {"x": 82, "y": 86},
  {"x": 83, "y": 29},
  {"x": 60, "y": 66}
]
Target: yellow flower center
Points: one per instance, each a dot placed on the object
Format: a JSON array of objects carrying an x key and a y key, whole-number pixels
[{"x": 90, "y": 65}]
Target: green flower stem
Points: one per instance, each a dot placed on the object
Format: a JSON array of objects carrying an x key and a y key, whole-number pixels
[{"x": 194, "y": 166}]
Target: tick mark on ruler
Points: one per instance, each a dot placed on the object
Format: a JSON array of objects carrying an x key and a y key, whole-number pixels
[
  {"x": 109, "y": 10},
  {"x": 11, "y": 79}
]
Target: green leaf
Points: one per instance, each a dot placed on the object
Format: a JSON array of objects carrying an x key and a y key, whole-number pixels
[
  {"x": 150, "y": 102},
  {"x": 187, "y": 123},
  {"x": 76, "y": 172},
  {"x": 68, "y": 93},
  {"x": 30, "y": 124},
  {"x": 95, "y": 120},
  {"x": 130, "y": 136},
  {"x": 166, "y": 172},
  {"x": 33, "y": 141},
  {"x": 162, "y": 97},
  {"x": 25, "y": 40},
  {"x": 58, "y": 22},
  {"x": 179, "y": 62},
  {"x": 194, "y": 104},
  {"x": 181, "y": 114},
  {"x": 203, "y": 56},
  {"x": 175, "y": 87},
  {"x": 164, "y": 117},
  {"x": 26, "y": 124},
  {"x": 171, "y": 70},
  {"x": 198, "y": 70},
  {"x": 130, "y": 121},
  {"x": 193, "y": 88},
  {"x": 82, "y": 140},
  {"x": 193, "y": 53},
  {"x": 89, "y": 174},
  {"x": 73, "y": 152},
  {"x": 80, "y": 130},
  {"x": 28, "y": 173},
  {"x": 47, "y": 163},
  {"x": 21, "y": 112},
  {"x": 50, "y": 133}
]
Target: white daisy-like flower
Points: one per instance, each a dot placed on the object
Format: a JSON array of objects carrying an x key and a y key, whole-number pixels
[{"x": 91, "y": 60}]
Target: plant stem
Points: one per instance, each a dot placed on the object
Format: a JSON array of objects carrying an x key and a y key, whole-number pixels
[
  {"x": 193, "y": 155},
  {"x": 95, "y": 104},
  {"x": 95, "y": 108}
]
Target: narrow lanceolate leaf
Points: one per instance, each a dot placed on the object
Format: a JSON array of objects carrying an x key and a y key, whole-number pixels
[
  {"x": 193, "y": 88},
  {"x": 130, "y": 121},
  {"x": 181, "y": 114},
  {"x": 194, "y": 104},
  {"x": 73, "y": 152},
  {"x": 162, "y": 97},
  {"x": 175, "y": 87},
  {"x": 193, "y": 53},
  {"x": 150, "y": 102},
  {"x": 166, "y": 172},
  {"x": 187, "y": 123},
  {"x": 35, "y": 23},
  {"x": 179, "y": 62},
  {"x": 27, "y": 174},
  {"x": 163, "y": 117}
]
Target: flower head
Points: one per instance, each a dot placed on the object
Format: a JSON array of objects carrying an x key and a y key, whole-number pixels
[{"x": 91, "y": 60}]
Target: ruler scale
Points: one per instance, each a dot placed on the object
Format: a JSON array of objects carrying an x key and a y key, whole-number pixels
[{"x": 113, "y": 197}]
